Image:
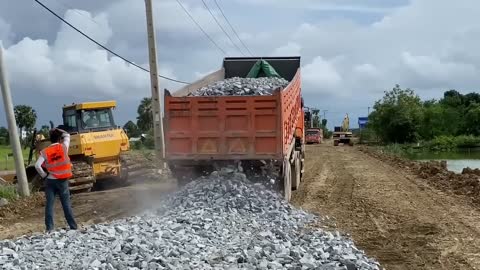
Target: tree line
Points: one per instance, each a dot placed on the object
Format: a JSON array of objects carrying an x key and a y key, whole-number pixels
[
  {"x": 402, "y": 117},
  {"x": 26, "y": 118}
]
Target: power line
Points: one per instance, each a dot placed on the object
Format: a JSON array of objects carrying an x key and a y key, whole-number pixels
[
  {"x": 200, "y": 27},
  {"x": 102, "y": 46},
  {"x": 231, "y": 26},
  {"x": 221, "y": 27}
]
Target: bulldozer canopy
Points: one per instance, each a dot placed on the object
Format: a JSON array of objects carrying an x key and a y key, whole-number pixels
[{"x": 262, "y": 69}]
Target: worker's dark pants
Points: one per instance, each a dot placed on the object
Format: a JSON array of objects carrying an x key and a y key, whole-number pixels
[{"x": 58, "y": 187}]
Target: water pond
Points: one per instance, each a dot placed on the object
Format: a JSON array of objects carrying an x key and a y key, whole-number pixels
[{"x": 456, "y": 161}]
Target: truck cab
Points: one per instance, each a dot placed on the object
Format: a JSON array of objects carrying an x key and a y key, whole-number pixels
[{"x": 314, "y": 136}]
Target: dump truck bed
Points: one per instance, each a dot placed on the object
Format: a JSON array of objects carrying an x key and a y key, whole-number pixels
[{"x": 235, "y": 127}]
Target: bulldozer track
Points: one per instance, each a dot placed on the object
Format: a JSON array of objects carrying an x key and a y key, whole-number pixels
[{"x": 83, "y": 178}]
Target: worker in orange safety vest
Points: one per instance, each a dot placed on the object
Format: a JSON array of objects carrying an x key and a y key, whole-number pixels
[{"x": 55, "y": 160}]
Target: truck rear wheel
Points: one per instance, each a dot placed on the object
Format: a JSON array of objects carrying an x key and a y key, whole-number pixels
[
  {"x": 335, "y": 143},
  {"x": 296, "y": 171},
  {"x": 287, "y": 180}
]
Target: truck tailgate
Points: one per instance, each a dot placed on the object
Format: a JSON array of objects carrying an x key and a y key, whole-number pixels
[{"x": 223, "y": 127}]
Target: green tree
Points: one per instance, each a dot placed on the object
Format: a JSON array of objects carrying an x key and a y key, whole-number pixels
[
  {"x": 145, "y": 117},
  {"x": 432, "y": 124},
  {"x": 4, "y": 136},
  {"x": 471, "y": 98},
  {"x": 472, "y": 120},
  {"x": 44, "y": 130},
  {"x": 25, "y": 116},
  {"x": 316, "y": 118},
  {"x": 324, "y": 123},
  {"x": 316, "y": 121},
  {"x": 452, "y": 98},
  {"x": 397, "y": 116},
  {"x": 131, "y": 129}
]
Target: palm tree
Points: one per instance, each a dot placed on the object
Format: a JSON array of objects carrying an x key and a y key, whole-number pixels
[{"x": 145, "y": 118}]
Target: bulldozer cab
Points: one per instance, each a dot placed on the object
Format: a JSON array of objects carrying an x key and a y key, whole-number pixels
[{"x": 88, "y": 117}]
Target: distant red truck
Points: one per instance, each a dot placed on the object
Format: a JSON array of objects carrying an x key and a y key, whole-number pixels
[{"x": 314, "y": 135}]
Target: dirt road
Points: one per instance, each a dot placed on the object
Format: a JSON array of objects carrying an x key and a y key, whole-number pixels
[
  {"x": 390, "y": 213},
  {"x": 89, "y": 208}
]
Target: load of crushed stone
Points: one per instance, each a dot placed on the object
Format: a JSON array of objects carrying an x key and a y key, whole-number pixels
[
  {"x": 242, "y": 87},
  {"x": 220, "y": 222}
]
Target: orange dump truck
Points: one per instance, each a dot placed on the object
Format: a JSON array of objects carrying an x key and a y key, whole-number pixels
[{"x": 264, "y": 133}]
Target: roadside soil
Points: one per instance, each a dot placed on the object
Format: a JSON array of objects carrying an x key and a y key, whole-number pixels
[
  {"x": 27, "y": 216},
  {"x": 391, "y": 213}
]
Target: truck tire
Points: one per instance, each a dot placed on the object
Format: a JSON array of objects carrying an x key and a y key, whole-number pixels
[
  {"x": 302, "y": 163},
  {"x": 296, "y": 168},
  {"x": 335, "y": 143},
  {"x": 287, "y": 180}
]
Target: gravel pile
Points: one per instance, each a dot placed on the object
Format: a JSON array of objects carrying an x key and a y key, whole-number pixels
[
  {"x": 218, "y": 223},
  {"x": 242, "y": 87}
]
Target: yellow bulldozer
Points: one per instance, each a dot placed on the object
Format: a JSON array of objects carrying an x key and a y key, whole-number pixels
[{"x": 97, "y": 150}]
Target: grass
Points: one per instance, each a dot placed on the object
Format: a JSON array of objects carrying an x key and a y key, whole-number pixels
[
  {"x": 8, "y": 192},
  {"x": 8, "y": 164}
]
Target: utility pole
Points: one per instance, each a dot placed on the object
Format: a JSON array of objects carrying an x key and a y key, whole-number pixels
[
  {"x": 12, "y": 130},
  {"x": 368, "y": 111},
  {"x": 156, "y": 107},
  {"x": 324, "y": 114}
]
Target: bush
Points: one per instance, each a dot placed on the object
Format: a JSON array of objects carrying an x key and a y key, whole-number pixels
[
  {"x": 137, "y": 145},
  {"x": 367, "y": 135},
  {"x": 442, "y": 143},
  {"x": 448, "y": 143},
  {"x": 8, "y": 192},
  {"x": 403, "y": 150},
  {"x": 465, "y": 141}
]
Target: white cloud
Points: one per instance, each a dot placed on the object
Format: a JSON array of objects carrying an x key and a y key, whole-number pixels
[
  {"x": 291, "y": 48},
  {"x": 73, "y": 64},
  {"x": 367, "y": 70},
  {"x": 439, "y": 72},
  {"x": 352, "y": 6},
  {"x": 5, "y": 33},
  {"x": 321, "y": 76},
  {"x": 199, "y": 75}
]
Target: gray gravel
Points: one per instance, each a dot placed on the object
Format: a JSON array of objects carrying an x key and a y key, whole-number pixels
[
  {"x": 3, "y": 202},
  {"x": 242, "y": 87},
  {"x": 223, "y": 222}
]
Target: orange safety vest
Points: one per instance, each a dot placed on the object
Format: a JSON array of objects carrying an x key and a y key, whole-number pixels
[{"x": 57, "y": 162}]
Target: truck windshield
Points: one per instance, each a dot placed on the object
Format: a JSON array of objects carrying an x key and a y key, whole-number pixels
[{"x": 93, "y": 119}]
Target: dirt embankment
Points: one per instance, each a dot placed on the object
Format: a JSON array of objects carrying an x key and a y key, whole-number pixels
[
  {"x": 436, "y": 174},
  {"x": 110, "y": 200},
  {"x": 27, "y": 216},
  {"x": 390, "y": 212}
]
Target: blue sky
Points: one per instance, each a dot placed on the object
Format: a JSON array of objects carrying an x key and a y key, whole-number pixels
[{"x": 351, "y": 50}]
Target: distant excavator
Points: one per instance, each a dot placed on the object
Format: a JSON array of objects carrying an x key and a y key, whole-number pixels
[{"x": 343, "y": 134}]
